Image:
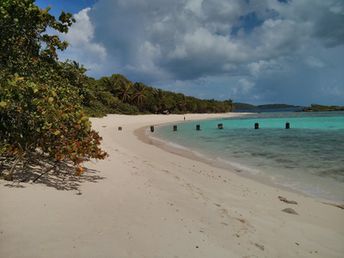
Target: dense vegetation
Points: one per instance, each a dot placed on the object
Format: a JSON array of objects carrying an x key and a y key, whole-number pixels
[
  {"x": 42, "y": 122},
  {"x": 261, "y": 108},
  {"x": 322, "y": 108},
  {"x": 44, "y": 102},
  {"x": 116, "y": 94},
  {"x": 243, "y": 107}
]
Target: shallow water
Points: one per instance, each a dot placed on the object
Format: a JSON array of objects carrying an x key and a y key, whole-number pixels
[{"x": 309, "y": 157}]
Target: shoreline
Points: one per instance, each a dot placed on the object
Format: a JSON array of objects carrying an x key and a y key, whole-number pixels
[
  {"x": 143, "y": 135},
  {"x": 145, "y": 202},
  {"x": 147, "y": 137}
]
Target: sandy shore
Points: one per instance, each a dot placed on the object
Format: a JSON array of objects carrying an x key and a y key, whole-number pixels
[{"x": 146, "y": 202}]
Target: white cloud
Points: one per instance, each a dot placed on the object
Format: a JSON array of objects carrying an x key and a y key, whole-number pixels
[
  {"x": 241, "y": 42},
  {"x": 195, "y": 6},
  {"x": 314, "y": 62},
  {"x": 82, "y": 46},
  {"x": 245, "y": 85}
]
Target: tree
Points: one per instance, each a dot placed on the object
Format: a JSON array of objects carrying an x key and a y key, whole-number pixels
[
  {"x": 229, "y": 104},
  {"x": 159, "y": 96},
  {"x": 139, "y": 95},
  {"x": 124, "y": 92},
  {"x": 41, "y": 117},
  {"x": 24, "y": 41}
]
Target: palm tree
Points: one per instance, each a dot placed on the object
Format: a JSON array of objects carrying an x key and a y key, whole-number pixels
[
  {"x": 107, "y": 83},
  {"x": 139, "y": 95},
  {"x": 124, "y": 92},
  {"x": 229, "y": 104},
  {"x": 182, "y": 104},
  {"x": 158, "y": 95}
]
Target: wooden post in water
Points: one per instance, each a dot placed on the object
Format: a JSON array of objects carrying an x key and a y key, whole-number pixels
[
  {"x": 220, "y": 126},
  {"x": 152, "y": 128},
  {"x": 198, "y": 127},
  {"x": 287, "y": 125},
  {"x": 119, "y": 128},
  {"x": 256, "y": 126},
  {"x": 174, "y": 128}
]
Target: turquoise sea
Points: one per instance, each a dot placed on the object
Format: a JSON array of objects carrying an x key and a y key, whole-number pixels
[{"x": 308, "y": 157}]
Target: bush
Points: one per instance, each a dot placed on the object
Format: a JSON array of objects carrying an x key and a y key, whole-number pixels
[
  {"x": 47, "y": 120},
  {"x": 41, "y": 117}
]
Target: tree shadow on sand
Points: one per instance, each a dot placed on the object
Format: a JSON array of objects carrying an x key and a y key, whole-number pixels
[{"x": 61, "y": 176}]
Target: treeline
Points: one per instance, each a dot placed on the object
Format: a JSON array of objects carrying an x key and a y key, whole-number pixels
[
  {"x": 322, "y": 108},
  {"x": 266, "y": 107},
  {"x": 117, "y": 94},
  {"x": 43, "y": 126},
  {"x": 45, "y": 103}
]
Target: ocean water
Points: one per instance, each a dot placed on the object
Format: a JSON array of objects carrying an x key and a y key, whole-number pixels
[{"x": 308, "y": 157}]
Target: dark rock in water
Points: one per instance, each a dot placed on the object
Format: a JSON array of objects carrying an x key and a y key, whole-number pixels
[
  {"x": 290, "y": 211},
  {"x": 283, "y": 199}
]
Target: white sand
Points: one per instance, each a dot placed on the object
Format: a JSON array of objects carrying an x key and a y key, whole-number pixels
[{"x": 152, "y": 203}]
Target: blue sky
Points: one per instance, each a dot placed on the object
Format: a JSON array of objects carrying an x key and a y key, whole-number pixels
[
  {"x": 72, "y": 6},
  {"x": 256, "y": 51}
]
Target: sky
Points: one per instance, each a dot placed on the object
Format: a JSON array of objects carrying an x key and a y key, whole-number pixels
[{"x": 254, "y": 51}]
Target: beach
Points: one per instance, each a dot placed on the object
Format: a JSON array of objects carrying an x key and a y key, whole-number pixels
[{"x": 143, "y": 201}]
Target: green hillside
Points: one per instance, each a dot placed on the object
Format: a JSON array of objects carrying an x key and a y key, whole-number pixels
[{"x": 117, "y": 94}]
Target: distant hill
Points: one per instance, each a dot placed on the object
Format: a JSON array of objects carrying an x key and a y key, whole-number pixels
[
  {"x": 322, "y": 108},
  {"x": 265, "y": 108},
  {"x": 243, "y": 106}
]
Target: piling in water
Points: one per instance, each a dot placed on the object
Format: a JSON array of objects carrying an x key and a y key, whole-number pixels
[
  {"x": 152, "y": 128},
  {"x": 256, "y": 126},
  {"x": 287, "y": 125},
  {"x": 220, "y": 126},
  {"x": 198, "y": 127},
  {"x": 174, "y": 128}
]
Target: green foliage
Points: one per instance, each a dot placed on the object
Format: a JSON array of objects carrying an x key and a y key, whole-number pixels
[
  {"x": 116, "y": 94},
  {"x": 24, "y": 43},
  {"x": 265, "y": 107},
  {"x": 47, "y": 119},
  {"x": 42, "y": 100},
  {"x": 102, "y": 97},
  {"x": 41, "y": 113},
  {"x": 322, "y": 108}
]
